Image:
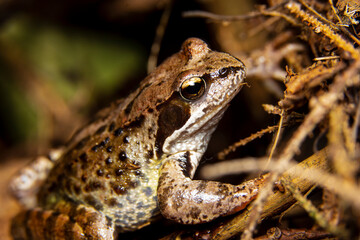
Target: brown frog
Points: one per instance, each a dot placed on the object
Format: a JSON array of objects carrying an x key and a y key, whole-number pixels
[{"x": 136, "y": 159}]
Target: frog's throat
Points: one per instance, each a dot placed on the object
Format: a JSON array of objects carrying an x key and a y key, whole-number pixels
[{"x": 195, "y": 134}]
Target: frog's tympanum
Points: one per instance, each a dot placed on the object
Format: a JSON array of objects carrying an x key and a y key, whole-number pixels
[{"x": 136, "y": 159}]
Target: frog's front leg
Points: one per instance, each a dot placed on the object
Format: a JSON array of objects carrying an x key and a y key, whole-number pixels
[
  {"x": 68, "y": 221},
  {"x": 190, "y": 201}
]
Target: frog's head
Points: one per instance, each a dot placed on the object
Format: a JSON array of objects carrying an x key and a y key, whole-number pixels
[{"x": 201, "y": 92}]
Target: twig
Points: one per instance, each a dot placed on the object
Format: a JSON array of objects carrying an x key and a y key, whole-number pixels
[
  {"x": 278, "y": 201},
  {"x": 334, "y": 11},
  {"x": 235, "y": 167},
  {"x": 339, "y": 146},
  {"x": 325, "y": 29},
  {"x": 224, "y": 18},
  {"x": 218, "y": 17},
  {"x": 277, "y": 137},
  {"x": 221, "y": 155},
  {"x": 323, "y": 105},
  {"x": 313, "y": 211},
  {"x": 326, "y": 58},
  {"x": 160, "y": 31},
  {"x": 355, "y": 126},
  {"x": 317, "y": 14}
]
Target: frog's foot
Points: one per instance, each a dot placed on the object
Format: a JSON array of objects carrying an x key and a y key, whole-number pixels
[
  {"x": 76, "y": 222},
  {"x": 25, "y": 184},
  {"x": 190, "y": 201}
]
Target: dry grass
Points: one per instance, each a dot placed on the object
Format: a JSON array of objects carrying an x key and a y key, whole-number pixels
[{"x": 323, "y": 80}]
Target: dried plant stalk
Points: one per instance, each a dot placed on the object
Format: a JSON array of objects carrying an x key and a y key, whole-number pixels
[
  {"x": 278, "y": 201},
  {"x": 318, "y": 26},
  {"x": 314, "y": 212}
]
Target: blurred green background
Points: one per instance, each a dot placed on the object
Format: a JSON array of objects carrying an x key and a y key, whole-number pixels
[
  {"x": 62, "y": 61},
  {"x": 43, "y": 63}
]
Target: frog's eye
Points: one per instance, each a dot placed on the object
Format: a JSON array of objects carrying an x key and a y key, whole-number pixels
[{"x": 192, "y": 88}]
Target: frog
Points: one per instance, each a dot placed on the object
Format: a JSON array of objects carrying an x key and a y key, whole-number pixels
[{"x": 135, "y": 161}]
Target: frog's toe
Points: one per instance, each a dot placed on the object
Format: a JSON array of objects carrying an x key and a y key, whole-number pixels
[{"x": 25, "y": 184}]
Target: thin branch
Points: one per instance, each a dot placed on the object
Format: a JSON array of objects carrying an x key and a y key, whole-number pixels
[
  {"x": 314, "y": 212},
  {"x": 318, "y": 14},
  {"x": 277, "y": 137},
  {"x": 224, "y": 18},
  {"x": 160, "y": 31},
  {"x": 325, "y": 29}
]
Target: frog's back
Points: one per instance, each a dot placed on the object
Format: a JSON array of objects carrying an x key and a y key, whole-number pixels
[{"x": 113, "y": 170}]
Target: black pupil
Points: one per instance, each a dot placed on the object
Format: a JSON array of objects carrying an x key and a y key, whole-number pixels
[{"x": 193, "y": 88}]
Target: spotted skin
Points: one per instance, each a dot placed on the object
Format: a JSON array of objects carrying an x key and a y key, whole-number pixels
[
  {"x": 113, "y": 182},
  {"x": 135, "y": 159}
]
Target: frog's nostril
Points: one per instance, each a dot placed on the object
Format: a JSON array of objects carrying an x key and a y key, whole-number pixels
[{"x": 224, "y": 72}]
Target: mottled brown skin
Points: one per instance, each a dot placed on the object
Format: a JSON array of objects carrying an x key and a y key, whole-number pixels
[
  {"x": 137, "y": 157},
  {"x": 197, "y": 201}
]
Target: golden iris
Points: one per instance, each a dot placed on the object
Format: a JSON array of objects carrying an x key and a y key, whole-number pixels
[{"x": 192, "y": 88}]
